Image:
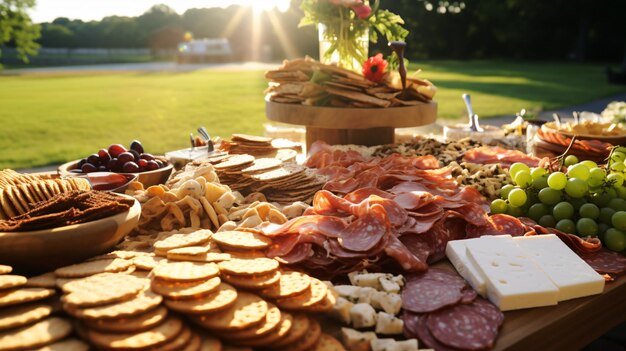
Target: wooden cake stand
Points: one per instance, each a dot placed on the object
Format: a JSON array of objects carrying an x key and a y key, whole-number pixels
[{"x": 361, "y": 126}]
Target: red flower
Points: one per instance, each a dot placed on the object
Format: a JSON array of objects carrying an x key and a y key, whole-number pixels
[
  {"x": 374, "y": 68},
  {"x": 362, "y": 11}
]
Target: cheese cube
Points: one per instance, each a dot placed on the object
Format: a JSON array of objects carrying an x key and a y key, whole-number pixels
[
  {"x": 514, "y": 281},
  {"x": 388, "y": 284},
  {"x": 341, "y": 310},
  {"x": 393, "y": 345},
  {"x": 456, "y": 252},
  {"x": 350, "y": 292},
  {"x": 573, "y": 276},
  {"x": 399, "y": 279},
  {"x": 388, "y": 324},
  {"x": 369, "y": 279},
  {"x": 362, "y": 315},
  {"x": 227, "y": 200},
  {"x": 353, "y": 275},
  {"x": 356, "y": 340},
  {"x": 389, "y": 302}
]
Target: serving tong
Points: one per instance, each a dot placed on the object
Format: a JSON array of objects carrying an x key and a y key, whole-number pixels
[{"x": 474, "y": 125}]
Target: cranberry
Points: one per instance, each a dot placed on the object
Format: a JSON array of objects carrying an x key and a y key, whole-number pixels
[
  {"x": 88, "y": 168},
  {"x": 113, "y": 164},
  {"x": 116, "y": 149},
  {"x": 136, "y": 145},
  {"x": 147, "y": 156},
  {"x": 135, "y": 154},
  {"x": 125, "y": 157},
  {"x": 130, "y": 167},
  {"x": 152, "y": 165},
  {"x": 104, "y": 156},
  {"x": 93, "y": 159}
]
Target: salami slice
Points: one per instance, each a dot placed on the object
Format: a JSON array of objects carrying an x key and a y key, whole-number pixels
[
  {"x": 363, "y": 193},
  {"x": 428, "y": 295},
  {"x": 395, "y": 249},
  {"x": 365, "y": 232},
  {"x": 415, "y": 326},
  {"x": 469, "y": 295},
  {"x": 489, "y": 311},
  {"x": 299, "y": 253},
  {"x": 605, "y": 261},
  {"x": 448, "y": 277},
  {"x": 462, "y": 327}
]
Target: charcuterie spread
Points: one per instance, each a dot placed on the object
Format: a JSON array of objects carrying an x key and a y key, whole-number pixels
[{"x": 245, "y": 243}]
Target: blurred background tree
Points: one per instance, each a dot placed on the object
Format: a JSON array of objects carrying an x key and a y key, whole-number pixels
[{"x": 16, "y": 27}]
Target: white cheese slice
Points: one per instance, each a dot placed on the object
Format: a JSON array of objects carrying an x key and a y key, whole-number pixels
[
  {"x": 341, "y": 310},
  {"x": 363, "y": 315},
  {"x": 456, "y": 252},
  {"x": 393, "y": 345},
  {"x": 573, "y": 276},
  {"x": 514, "y": 281},
  {"x": 355, "y": 340},
  {"x": 388, "y": 324}
]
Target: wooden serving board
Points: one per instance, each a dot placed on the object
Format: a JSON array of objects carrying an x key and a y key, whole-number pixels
[{"x": 361, "y": 126}]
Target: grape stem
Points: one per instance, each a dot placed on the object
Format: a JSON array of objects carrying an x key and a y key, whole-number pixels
[{"x": 559, "y": 161}]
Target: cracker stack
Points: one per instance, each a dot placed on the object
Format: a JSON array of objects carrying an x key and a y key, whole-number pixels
[
  {"x": 19, "y": 193},
  {"x": 26, "y": 317}
]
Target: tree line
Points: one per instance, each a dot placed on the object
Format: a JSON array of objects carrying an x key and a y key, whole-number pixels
[{"x": 472, "y": 29}]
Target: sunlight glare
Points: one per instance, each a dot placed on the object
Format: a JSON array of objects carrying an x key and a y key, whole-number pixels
[{"x": 268, "y": 5}]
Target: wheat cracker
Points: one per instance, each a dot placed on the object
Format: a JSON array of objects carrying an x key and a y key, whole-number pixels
[
  {"x": 22, "y": 295},
  {"x": 194, "y": 344},
  {"x": 207, "y": 257},
  {"x": 326, "y": 304},
  {"x": 69, "y": 344},
  {"x": 137, "y": 323},
  {"x": 178, "y": 342},
  {"x": 35, "y": 335},
  {"x": 308, "y": 340},
  {"x": 148, "y": 263},
  {"x": 316, "y": 293},
  {"x": 249, "y": 266},
  {"x": 85, "y": 269},
  {"x": 224, "y": 297},
  {"x": 328, "y": 343},
  {"x": 290, "y": 284},
  {"x": 182, "y": 240},
  {"x": 301, "y": 323},
  {"x": 278, "y": 333},
  {"x": 4, "y": 269},
  {"x": 253, "y": 282},
  {"x": 8, "y": 281},
  {"x": 210, "y": 343},
  {"x": 154, "y": 337},
  {"x": 20, "y": 315},
  {"x": 178, "y": 291},
  {"x": 145, "y": 301},
  {"x": 189, "y": 250},
  {"x": 248, "y": 310},
  {"x": 185, "y": 271},
  {"x": 46, "y": 280},
  {"x": 242, "y": 240},
  {"x": 270, "y": 323},
  {"x": 103, "y": 290}
]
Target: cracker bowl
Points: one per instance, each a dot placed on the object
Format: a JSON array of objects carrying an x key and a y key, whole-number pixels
[
  {"x": 147, "y": 178},
  {"x": 47, "y": 249}
]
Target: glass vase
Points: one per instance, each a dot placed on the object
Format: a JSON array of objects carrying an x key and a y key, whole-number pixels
[{"x": 345, "y": 43}]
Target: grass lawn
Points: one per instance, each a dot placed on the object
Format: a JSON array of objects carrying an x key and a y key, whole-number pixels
[{"x": 47, "y": 119}]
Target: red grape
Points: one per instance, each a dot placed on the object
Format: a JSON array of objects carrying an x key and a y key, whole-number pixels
[
  {"x": 116, "y": 149},
  {"x": 161, "y": 165},
  {"x": 81, "y": 162},
  {"x": 135, "y": 154},
  {"x": 102, "y": 168},
  {"x": 152, "y": 165},
  {"x": 113, "y": 164},
  {"x": 104, "y": 156},
  {"x": 143, "y": 165},
  {"x": 130, "y": 167},
  {"x": 136, "y": 145},
  {"x": 88, "y": 168},
  {"x": 125, "y": 157},
  {"x": 147, "y": 156},
  {"x": 93, "y": 159}
]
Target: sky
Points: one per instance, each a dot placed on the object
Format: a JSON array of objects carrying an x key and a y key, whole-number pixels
[{"x": 48, "y": 10}]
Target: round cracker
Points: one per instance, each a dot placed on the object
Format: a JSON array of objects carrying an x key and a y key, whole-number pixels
[
  {"x": 8, "y": 281},
  {"x": 158, "y": 335},
  {"x": 315, "y": 294},
  {"x": 242, "y": 240},
  {"x": 194, "y": 344},
  {"x": 46, "y": 280},
  {"x": 35, "y": 335},
  {"x": 223, "y": 298},
  {"x": 326, "y": 304},
  {"x": 248, "y": 266},
  {"x": 69, "y": 344},
  {"x": 20, "y": 315},
  {"x": 191, "y": 290},
  {"x": 148, "y": 263},
  {"x": 285, "y": 325},
  {"x": 210, "y": 343},
  {"x": 183, "y": 239},
  {"x": 271, "y": 322},
  {"x": 103, "y": 290},
  {"x": 180, "y": 341},
  {"x": 143, "y": 302},
  {"x": 248, "y": 310},
  {"x": 299, "y": 327},
  {"x": 4, "y": 269},
  {"x": 254, "y": 282},
  {"x": 328, "y": 343},
  {"x": 185, "y": 271},
  {"x": 138, "y": 323},
  {"x": 87, "y": 283},
  {"x": 308, "y": 340},
  {"x": 22, "y": 295},
  {"x": 290, "y": 284},
  {"x": 86, "y": 269}
]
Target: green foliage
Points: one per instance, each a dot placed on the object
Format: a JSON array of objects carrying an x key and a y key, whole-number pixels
[{"x": 16, "y": 27}]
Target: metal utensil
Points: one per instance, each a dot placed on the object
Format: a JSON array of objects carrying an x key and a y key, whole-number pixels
[
  {"x": 192, "y": 140},
  {"x": 576, "y": 115},
  {"x": 472, "y": 117},
  {"x": 398, "y": 47},
  {"x": 207, "y": 138},
  {"x": 557, "y": 119}
]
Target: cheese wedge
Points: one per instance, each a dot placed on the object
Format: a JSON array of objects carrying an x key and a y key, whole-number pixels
[{"x": 456, "y": 252}]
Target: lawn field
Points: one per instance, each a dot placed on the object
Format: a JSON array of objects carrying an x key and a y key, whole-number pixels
[{"x": 49, "y": 119}]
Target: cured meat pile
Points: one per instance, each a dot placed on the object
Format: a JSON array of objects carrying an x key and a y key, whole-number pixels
[
  {"x": 393, "y": 210},
  {"x": 499, "y": 155},
  {"x": 446, "y": 314}
]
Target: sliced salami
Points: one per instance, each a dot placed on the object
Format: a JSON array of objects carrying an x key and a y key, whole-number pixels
[
  {"x": 415, "y": 326},
  {"x": 489, "y": 311},
  {"x": 605, "y": 261},
  {"x": 395, "y": 249},
  {"x": 428, "y": 295},
  {"x": 469, "y": 295},
  {"x": 448, "y": 277},
  {"x": 462, "y": 327},
  {"x": 299, "y": 253},
  {"x": 365, "y": 232},
  {"x": 363, "y": 193}
]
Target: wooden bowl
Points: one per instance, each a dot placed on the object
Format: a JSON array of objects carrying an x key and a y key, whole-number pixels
[
  {"x": 148, "y": 178},
  {"x": 611, "y": 139},
  {"x": 44, "y": 250},
  {"x": 543, "y": 148}
]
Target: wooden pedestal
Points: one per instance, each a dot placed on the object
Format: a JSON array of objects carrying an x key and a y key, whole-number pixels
[{"x": 361, "y": 126}]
